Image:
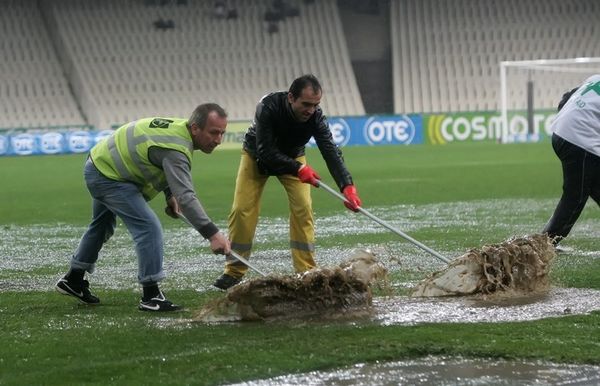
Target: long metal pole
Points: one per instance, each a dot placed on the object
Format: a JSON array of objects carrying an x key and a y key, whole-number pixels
[
  {"x": 388, "y": 226},
  {"x": 232, "y": 253},
  {"x": 503, "y": 104}
]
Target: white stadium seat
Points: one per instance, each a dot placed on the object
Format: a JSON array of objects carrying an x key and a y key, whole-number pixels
[
  {"x": 232, "y": 62},
  {"x": 468, "y": 38},
  {"x": 74, "y": 62},
  {"x": 33, "y": 87}
]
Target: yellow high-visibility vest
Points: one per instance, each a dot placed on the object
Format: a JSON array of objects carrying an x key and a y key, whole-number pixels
[{"x": 124, "y": 155}]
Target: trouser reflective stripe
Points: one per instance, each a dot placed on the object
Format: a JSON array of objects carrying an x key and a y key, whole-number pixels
[
  {"x": 302, "y": 246},
  {"x": 243, "y": 217},
  {"x": 241, "y": 249},
  {"x": 302, "y": 230},
  {"x": 245, "y": 209}
]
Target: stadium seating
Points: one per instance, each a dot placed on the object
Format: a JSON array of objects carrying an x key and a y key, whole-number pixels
[
  {"x": 447, "y": 54},
  {"x": 34, "y": 91},
  {"x": 124, "y": 67},
  {"x": 104, "y": 62}
]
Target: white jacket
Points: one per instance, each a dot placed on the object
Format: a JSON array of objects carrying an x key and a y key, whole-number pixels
[{"x": 579, "y": 120}]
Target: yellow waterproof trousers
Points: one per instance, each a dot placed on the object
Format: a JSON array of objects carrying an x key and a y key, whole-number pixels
[{"x": 243, "y": 218}]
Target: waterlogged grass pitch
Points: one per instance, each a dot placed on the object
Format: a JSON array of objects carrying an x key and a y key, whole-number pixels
[{"x": 452, "y": 198}]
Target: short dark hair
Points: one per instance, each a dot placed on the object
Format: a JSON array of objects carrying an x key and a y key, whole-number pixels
[
  {"x": 565, "y": 98},
  {"x": 200, "y": 114},
  {"x": 302, "y": 82}
]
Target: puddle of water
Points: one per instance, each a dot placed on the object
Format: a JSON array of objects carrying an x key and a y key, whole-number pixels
[
  {"x": 557, "y": 302},
  {"x": 33, "y": 257},
  {"x": 409, "y": 311},
  {"x": 25, "y": 249},
  {"x": 444, "y": 371}
]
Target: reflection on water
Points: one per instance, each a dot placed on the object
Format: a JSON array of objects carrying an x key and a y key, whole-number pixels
[
  {"x": 461, "y": 371},
  {"x": 557, "y": 302},
  {"x": 445, "y": 371}
]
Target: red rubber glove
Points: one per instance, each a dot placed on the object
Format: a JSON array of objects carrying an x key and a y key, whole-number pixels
[
  {"x": 307, "y": 175},
  {"x": 352, "y": 200}
]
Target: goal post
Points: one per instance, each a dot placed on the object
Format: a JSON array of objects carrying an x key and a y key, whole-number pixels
[{"x": 529, "y": 87}]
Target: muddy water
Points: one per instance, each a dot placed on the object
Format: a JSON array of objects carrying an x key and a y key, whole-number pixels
[
  {"x": 189, "y": 263},
  {"x": 404, "y": 310},
  {"x": 460, "y": 371},
  {"x": 556, "y": 302},
  {"x": 25, "y": 249},
  {"x": 445, "y": 371}
]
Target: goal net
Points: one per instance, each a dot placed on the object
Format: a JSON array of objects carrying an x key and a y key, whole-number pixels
[{"x": 530, "y": 91}]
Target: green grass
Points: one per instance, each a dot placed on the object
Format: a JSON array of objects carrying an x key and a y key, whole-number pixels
[
  {"x": 48, "y": 339},
  {"x": 110, "y": 344},
  {"x": 51, "y": 188}
]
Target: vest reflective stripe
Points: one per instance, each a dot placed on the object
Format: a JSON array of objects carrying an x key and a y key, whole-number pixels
[
  {"x": 132, "y": 143},
  {"x": 116, "y": 158},
  {"x": 164, "y": 138},
  {"x": 124, "y": 155}
]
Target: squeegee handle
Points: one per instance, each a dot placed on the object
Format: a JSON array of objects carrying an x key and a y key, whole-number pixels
[
  {"x": 231, "y": 254},
  {"x": 385, "y": 224}
]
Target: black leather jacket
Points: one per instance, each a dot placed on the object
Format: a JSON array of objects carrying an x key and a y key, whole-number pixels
[{"x": 275, "y": 139}]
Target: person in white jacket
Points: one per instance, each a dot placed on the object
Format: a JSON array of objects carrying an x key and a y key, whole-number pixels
[{"x": 576, "y": 142}]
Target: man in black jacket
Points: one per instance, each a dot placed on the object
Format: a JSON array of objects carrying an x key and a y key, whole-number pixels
[{"x": 275, "y": 146}]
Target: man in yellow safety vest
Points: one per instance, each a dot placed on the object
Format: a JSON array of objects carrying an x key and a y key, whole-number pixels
[{"x": 124, "y": 171}]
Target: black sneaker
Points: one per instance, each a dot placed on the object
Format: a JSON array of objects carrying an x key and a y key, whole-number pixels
[
  {"x": 158, "y": 304},
  {"x": 226, "y": 281},
  {"x": 80, "y": 291}
]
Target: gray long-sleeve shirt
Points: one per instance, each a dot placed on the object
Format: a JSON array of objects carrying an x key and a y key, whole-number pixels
[{"x": 177, "y": 170}]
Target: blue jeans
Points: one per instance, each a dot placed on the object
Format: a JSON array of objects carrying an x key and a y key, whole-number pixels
[{"x": 110, "y": 199}]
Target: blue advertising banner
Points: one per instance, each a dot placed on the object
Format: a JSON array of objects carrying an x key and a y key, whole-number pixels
[
  {"x": 376, "y": 130},
  {"x": 371, "y": 130},
  {"x": 347, "y": 131},
  {"x": 50, "y": 142}
]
